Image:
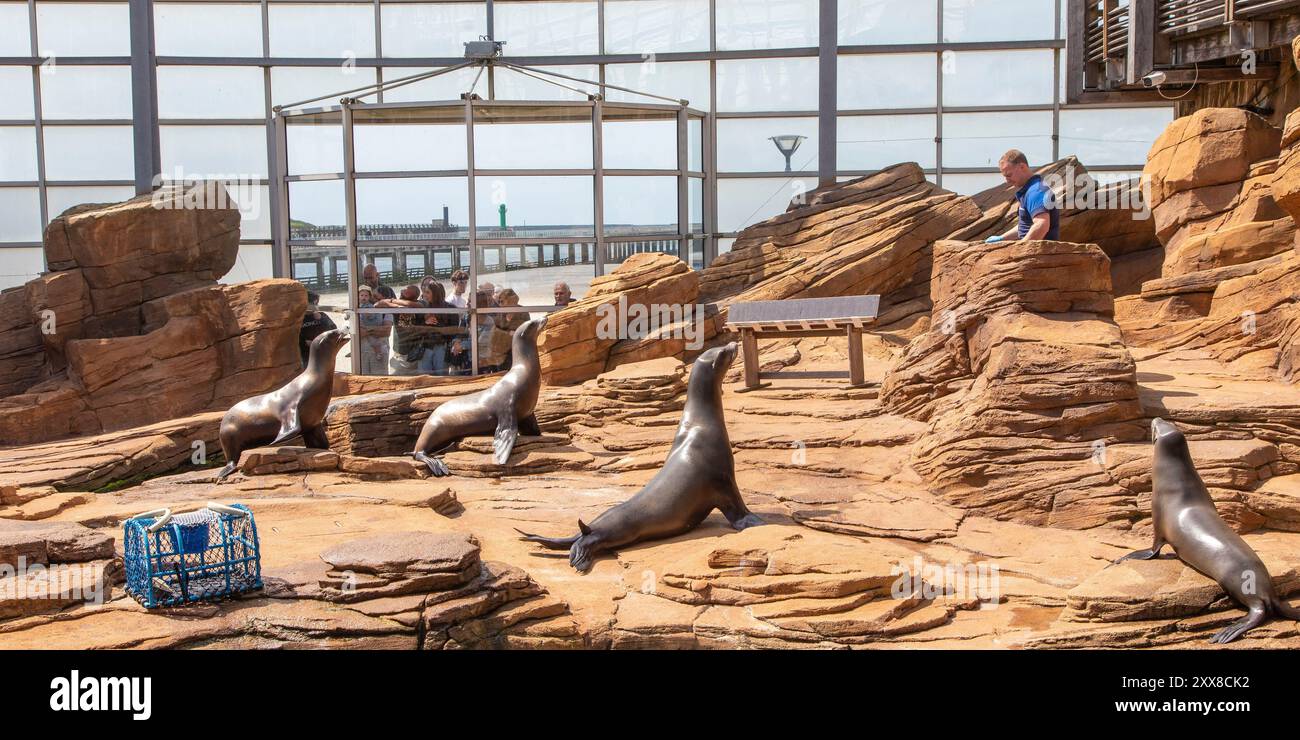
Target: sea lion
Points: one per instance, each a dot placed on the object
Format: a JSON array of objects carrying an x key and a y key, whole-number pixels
[
  {"x": 505, "y": 409},
  {"x": 296, "y": 408},
  {"x": 698, "y": 477},
  {"x": 1183, "y": 516}
]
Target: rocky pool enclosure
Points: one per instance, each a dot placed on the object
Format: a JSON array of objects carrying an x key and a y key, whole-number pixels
[{"x": 1000, "y": 440}]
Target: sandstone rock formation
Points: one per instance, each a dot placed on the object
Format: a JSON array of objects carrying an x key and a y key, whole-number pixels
[
  {"x": 129, "y": 326},
  {"x": 870, "y": 235},
  {"x": 1022, "y": 374},
  {"x": 975, "y": 492},
  {"x": 578, "y": 343}
]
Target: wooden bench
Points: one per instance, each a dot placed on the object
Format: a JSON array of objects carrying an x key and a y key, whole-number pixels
[{"x": 803, "y": 317}]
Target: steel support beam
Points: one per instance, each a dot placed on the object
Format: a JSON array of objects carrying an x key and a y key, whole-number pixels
[
  {"x": 144, "y": 97},
  {"x": 827, "y": 48}
]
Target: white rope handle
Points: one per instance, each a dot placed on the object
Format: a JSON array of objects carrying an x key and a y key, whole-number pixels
[
  {"x": 165, "y": 515},
  {"x": 223, "y": 509}
]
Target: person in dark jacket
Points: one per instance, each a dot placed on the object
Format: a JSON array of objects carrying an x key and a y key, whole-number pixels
[{"x": 314, "y": 324}]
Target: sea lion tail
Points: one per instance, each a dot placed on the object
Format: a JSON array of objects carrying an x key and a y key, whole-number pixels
[{"x": 551, "y": 543}]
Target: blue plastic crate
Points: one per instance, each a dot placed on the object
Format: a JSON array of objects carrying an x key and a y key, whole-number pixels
[{"x": 202, "y": 555}]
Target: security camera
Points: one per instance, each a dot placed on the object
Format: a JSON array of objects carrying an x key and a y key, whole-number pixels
[{"x": 1155, "y": 79}]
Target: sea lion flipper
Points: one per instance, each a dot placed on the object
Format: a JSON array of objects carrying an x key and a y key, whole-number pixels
[
  {"x": 1147, "y": 554},
  {"x": 1253, "y": 619},
  {"x": 528, "y": 426},
  {"x": 503, "y": 442},
  {"x": 285, "y": 435},
  {"x": 289, "y": 425}
]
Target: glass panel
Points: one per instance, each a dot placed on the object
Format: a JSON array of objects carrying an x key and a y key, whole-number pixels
[
  {"x": 980, "y": 139},
  {"x": 22, "y": 221},
  {"x": 1004, "y": 20},
  {"x": 224, "y": 151},
  {"x": 254, "y": 211},
  {"x": 747, "y": 200},
  {"x": 291, "y": 84},
  {"x": 83, "y": 29},
  {"x": 871, "y": 81},
  {"x": 433, "y": 30},
  {"x": 970, "y": 184},
  {"x": 640, "y": 205},
  {"x": 652, "y": 26},
  {"x": 677, "y": 80},
  {"x": 695, "y": 144},
  {"x": 533, "y": 270},
  {"x": 414, "y": 342},
  {"x": 616, "y": 253},
  {"x": 724, "y": 245},
  {"x": 207, "y": 30},
  {"x": 766, "y": 24},
  {"x": 745, "y": 144},
  {"x": 85, "y": 92},
  {"x": 536, "y": 28},
  {"x": 211, "y": 92},
  {"x": 534, "y": 205},
  {"x": 316, "y": 210},
  {"x": 562, "y": 142},
  {"x": 89, "y": 153},
  {"x": 767, "y": 84},
  {"x": 20, "y": 265},
  {"x": 17, "y": 153},
  {"x": 446, "y": 86},
  {"x": 61, "y": 199},
  {"x": 1014, "y": 77},
  {"x": 1112, "y": 135},
  {"x": 409, "y": 140},
  {"x": 412, "y": 208},
  {"x": 511, "y": 85},
  {"x": 15, "y": 32},
  {"x": 332, "y": 31},
  {"x": 495, "y": 331},
  {"x": 887, "y": 22},
  {"x": 253, "y": 263},
  {"x": 876, "y": 142},
  {"x": 695, "y": 202},
  {"x": 696, "y": 258},
  {"x": 16, "y": 90},
  {"x": 639, "y": 141},
  {"x": 315, "y": 144}
]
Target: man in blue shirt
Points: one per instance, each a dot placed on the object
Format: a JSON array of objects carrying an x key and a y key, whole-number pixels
[{"x": 1039, "y": 216}]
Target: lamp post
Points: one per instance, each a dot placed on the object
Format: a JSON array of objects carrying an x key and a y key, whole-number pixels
[{"x": 787, "y": 144}]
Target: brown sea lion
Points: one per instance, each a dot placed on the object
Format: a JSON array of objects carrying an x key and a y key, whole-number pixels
[
  {"x": 698, "y": 477},
  {"x": 296, "y": 408},
  {"x": 1183, "y": 516},
  {"x": 505, "y": 410}
]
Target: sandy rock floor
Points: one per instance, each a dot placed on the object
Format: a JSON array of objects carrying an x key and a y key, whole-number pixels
[{"x": 856, "y": 553}]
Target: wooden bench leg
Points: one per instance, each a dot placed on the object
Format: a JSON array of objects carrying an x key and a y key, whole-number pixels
[
  {"x": 749, "y": 344},
  {"x": 857, "y": 375}
]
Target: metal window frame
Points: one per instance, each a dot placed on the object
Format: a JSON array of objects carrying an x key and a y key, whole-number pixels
[
  {"x": 472, "y": 115},
  {"x": 144, "y": 61}
]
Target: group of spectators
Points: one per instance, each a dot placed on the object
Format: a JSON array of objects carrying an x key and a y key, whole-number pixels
[{"x": 412, "y": 342}]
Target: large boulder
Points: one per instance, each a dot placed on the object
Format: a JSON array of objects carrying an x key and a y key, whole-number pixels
[
  {"x": 1223, "y": 187},
  {"x": 591, "y": 335},
  {"x": 148, "y": 247},
  {"x": 1213, "y": 146},
  {"x": 1022, "y": 376},
  {"x": 130, "y": 327}
]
